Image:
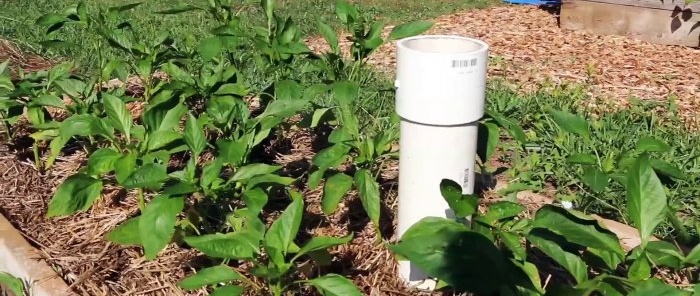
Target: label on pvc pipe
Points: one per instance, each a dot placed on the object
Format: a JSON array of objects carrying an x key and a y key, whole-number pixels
[{"x": 441, "y": 80}]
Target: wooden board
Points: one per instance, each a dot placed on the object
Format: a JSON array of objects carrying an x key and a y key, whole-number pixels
[{"x": 672, "y": 23}]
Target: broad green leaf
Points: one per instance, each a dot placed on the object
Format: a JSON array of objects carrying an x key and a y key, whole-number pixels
[
  {"x": 50, "y": 19},
  {"x": 333, "y": 191},
  {"x": 228, "y": 290},
  {"x": 209, "y": 48},
  {"x": 646, "y": 198},
  {"x": 124, "y": 167},
  {"x": 410, "y": 29},
  {"x": 501, "y": 210},
  {"x": 512, "y": 242},
  {"x": 210, "y": 173},
  {"x": 570, "y": 123},
  {"x": 282, "y": 232},
  {"x": 329, "y": 34},
  {"x": 252, "y": 170},
  {"x": 488, "y": 140},
  {"x": 657, "y": 288},
  {"x": 255, "y": 199},
  {"x": 530, "y": 270},
  {"x": 335, "y": 285},
  {"x": 368, "y": 190},
  {"x": 659, "y": 253},
  {"x": 667, "y": 169},
  {"x": 126, "y": 234},
  {"x": 180, "y": 9},
  {"x": 331, "y": 157},
  {"x": 160, "y": 139},
  {"x": 346, "y": 12},
  {"x": 651, "y": 144},
  {"x": 571, "y": 262},
  {"x": 76, "y": 193},
  {"x": 284, "y": 108},
  {"x": 322, "y": 243},
  {"x": 462, "y": 205},
  {"x": 442, "y": 248},
  {"x": 582, "y": 158},
  {"x": 220, "y": 108},
  {"x": 231, "y": 152},
  {"x": 232, "y": 89},
  {"x": 149, "y": 176},
  {"x": 315, "y": 178},
  {"x": 345, "y": 92},
  {"x": 288, "y": 90},
  {"x": 157, "y": 223},
  {"x": 231, "y": 245},
  {"x": 194, "y": 136},
  {"x": 595, "y": 178},
  {"x": 14, "y": 285},
  {"x": 640, "y": 269},
  {"x": 102, "y": 161},
  {"x": 610, "y": 259},
  {"x": 512, "y": 127},
  {"x": 693, "y": 257},
  {"x": 269, "y": 179},
  {"x": 48, "y": 100},
  {"x": 165, "y": 115},
  {"x": 80, "y": 125},
  {"x": 118, "y": 114},
  {"x": 576, "y": 229},
  {"x": 209, "y": 276}
]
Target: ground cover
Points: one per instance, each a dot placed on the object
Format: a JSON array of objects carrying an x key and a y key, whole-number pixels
[{"x": 287, "y": 120}]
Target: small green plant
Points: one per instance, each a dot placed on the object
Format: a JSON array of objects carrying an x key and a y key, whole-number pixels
[
  {"x": 13, "y": 286},
  {"x": 502, "y": 243},
  {"x": 272, "y": 253}
]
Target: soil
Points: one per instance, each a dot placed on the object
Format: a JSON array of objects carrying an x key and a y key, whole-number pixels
[{"x": 532, "y": 50}]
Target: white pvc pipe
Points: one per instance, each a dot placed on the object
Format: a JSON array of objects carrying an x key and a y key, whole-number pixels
[{"x": 441, "y": 86}]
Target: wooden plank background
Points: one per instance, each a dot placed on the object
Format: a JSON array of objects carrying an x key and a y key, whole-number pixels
[{"x": 655, "y": 23}]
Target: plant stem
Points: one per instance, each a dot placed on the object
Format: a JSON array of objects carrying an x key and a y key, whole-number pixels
[
  {"x": 142, "y": 202},
  {"x": 37, "y": 162}
]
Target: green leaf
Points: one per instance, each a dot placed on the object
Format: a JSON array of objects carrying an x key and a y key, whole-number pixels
[
  {"x": 233, "y": 89},
  {"x": 329, "y": 34},
  {"x": 102, "y": 161},
  {"x": 442, "y": 248},
  {"x": 331, "y": 157},
  {"x": 282, "y": 232},
  {"x": 409, "y": 29},
  {"x": 231, "y": 245},
  {"x": 345, "y": 92},
  {"x": 165, "y": 115},
  {"x": 693, "y": 257},
  {"x": 231, "y": 152},
  {"x": 651, "y": 144},
  {"x": 160, "y": 139},
  {"x": 576, "y": 229},
  {"x": 640, "y": 269},
  {"x": 157, "y": 223},
  {"x": 15, "y": 286},
  {"x": 462, "y": 205},
  {"x": 582, "y": 158},
  {"x": 255, "y": 199},
  {"x": 512, "y": 242},
  {"x": 48, "y": 100},
  {"x": 76, "y": 193},
  {"x": 194, "y": 136},
  {"x": 209, "y": 276},
  {"x": 180, "y": 9},
  {"x": 322, "y": 243},
  {"x": 488, "y": 140},
  {"x": 209, "y": 48},
  {"x": 252, "y": 170},
  {"x": 667, "y": 169},
  {"x": 569, "y": 261},
  {"x": 269, "y": 179},
  {"x": 512, "y": 127},
  {"x": 368, "y": 190},
  {"x": 501, "y": 210},
  {"x": 118, "y": 114},
  {"x": 570, "y": 123},
  {"x": 125, "y": 7},
  {"x": 126, "y": 234},
  {"x": 346, "y": 12},
  {"x": 124, "y": 167},
  {"x": 149, "y": 176},
  {"x": 284, "y": 108},
  {"x": 333, "y": 191},
  {"x": 81, "y": 125},
  {"x": 335, "y": 285},
  {"x": 50, "y": 19},
  {"x": 228, "y": 290},
  {"x": 657, "y": 288},
  {"x": 659, "y": 253},
  {"x": 595, "y": 178},
  {"x": 288, "y": 90},
  {"x": 646, "y": 198}
]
